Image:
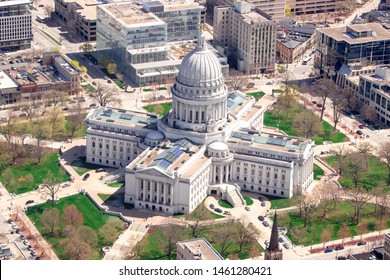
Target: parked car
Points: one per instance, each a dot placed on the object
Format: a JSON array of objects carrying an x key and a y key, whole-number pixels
[
  {"x": 218, "y": 210},
  {"x": 319, "y": 105},
  {"x": 92, "y": 105},
  {"x": 266, "y": 243},
  {"x": 212, "y": 206},
  {"x": 261, "y": 218},
  {"x": 359, "y": 132},
  {"x": 263, "y": 204},
  {"x": 361, "y": 126},
  {"x": 17, "y": 231},
  {"x": 286, "y": 245},
  {"x": 100, "y": 170},
  {"x": 86, "y": 176},
  {"x": 25, "y": 242},
  {"x": 281, "y": 240},
  {"x": 14, "y": 226},
  {"x": 109, "y": 81},
  {"x": 29, "y": 201},
  {"x": 328, "y": 250},
  {"x": 361, "y": 243},
  {"x": 226, "y": 212},
  {"x": 10, "y": 221},
  {"x": 66, "y": 185},
  {"x": 314, "y": 102},
  {"x": 269, "y": 83},
  {"x": 341, "y": 258},
  {"x": 23, "y": 115},
  {"x": 265, "y": 223},
  {"x": 32, "y": 253},
  {"x": 247, "y": 208},
  {"x": 22, "y": 237},
  {"x": 261, "y": 198},
  {"x": 339, "y": 247}
]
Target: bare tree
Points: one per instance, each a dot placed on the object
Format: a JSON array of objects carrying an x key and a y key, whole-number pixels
[
  {"x": 308, "y": 124},
  {"x": 362, "y": 228},
  {"x": 199, "y": 215},
  {"x": 354, "y": 166},
  {"x": 87, "y": 235},
  {"x": 237, "y": 80},
  {"x": 105, "y": 95},
  {"x": 40, "y": 131},
  {"x": 365, "y": 149},
  {"x": 76, "y": 119},
  {"x": 290, "y": 91},
  {"x": 339, "y": 103},
  {"x": 55, "y": 97},
  {"x": 225, "y": 237},
  {"x": 77, "y": 249},
  {"x": 369, "y": 113},
  {"x": 48, "y": 10},
  {"x": 306, "y": 204},
  {"x": 341, "y": 153},
  {"x": 30, "y": 108},
  {"x": 343, "y": 233},
  {"x": 8, "y": 177},
  {"x": 50, "y": 218},
  {"x": 50, "y": 187},
  {"x": 384, "y": 155},
  {"x": 324, "y": 88},
  {"x": 384, "y": 204},
  {"x": 56, "y": 120},
  {"x": 72, "y": 216},
  {"x": 170, "y": 236},
  {"x": 246, "y": 234},
  {"x": 325, "y": 193},
  {"x": 358, "y": 198},
  {"x": 110, "y": 231}
]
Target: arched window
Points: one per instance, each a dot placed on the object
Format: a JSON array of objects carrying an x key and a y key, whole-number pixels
[
  {"x": 93, "y": 144},
  {"x": 121, "y": 149},
  {"x": 114, "y": 148},
  {"x": 107, "y": 146},
  {"x": 100, "y": 145}
]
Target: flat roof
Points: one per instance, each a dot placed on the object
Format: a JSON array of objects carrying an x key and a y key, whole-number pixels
[
  {"x": 179, "y": 5},
  {"x": 14, "y": 3},
  {"x": 130, "y": 14},
  {"x": 156, "y": 64},
  {"x": 201, "y": 249},
  {"x": 269, "y": 141},
  {"x": 124, "y": 117},
  {"x": 341, "y": 33},
  {"x": 66, "y": 65},
  {"x": 237, "y": 100},
  {"x": 289, "y": 43},
  {"x": 254, "y": 17},
  {"x": 88, "y": 12},
  {"x": 6, "y": 82}
]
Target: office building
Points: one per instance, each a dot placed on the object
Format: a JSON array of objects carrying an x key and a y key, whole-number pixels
[
  {"x": 304, "y": 7},
  {"x": 367, "y": 44},
  {"x": 196, "y": 249},
  {"x": 15, "y": 25},
  {"x": 248, "y": 36}
]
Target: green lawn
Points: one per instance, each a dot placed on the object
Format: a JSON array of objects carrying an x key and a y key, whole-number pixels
[
  {"x": 51, "y": 37},
  {"x": 285, "y": 123},
  {"x": 120, "y": 84},
  {"x": 93, "y": 218},
  {"x": 224, "y": 203},
  {"x": 147, "y": 89},
  {"x": 248, "y": 200},
  {"x": 162, "y": 108},
  {"x": 332, "y": 222},
  {"x": 279, "y": 202},
  {"x": 88, "y": 87},
  {"x": 375, "y": 176},
  {"x": 151, "y": 244},
  {"x": 81, "y": 167},
  {"x": 116, "y": 185},
  {"x": 39, "y": 173},
  {"x": 257, "y": 95},
  {"x": 318, "y": 172},
  {"x": 104, "y": 196},
  {"x": 192, "y": 216},
  {"x": 162, "y": 88}
]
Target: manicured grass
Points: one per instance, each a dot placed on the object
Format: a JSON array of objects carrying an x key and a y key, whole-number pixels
[
  {"x": 116, "y": 185},
  {"x": 51, "y": 37},
  {"x": 162, "y": 108},
  {"x": 332, "y": 222},
  {"x": 285, "y": 123},
  {"x": 81, "y": 167},
  {"x": 318, "y": 172},
  {"x": 120, "y": 84},
  {"x": 39, "y": 173},
  {"x": 279, "y": 202},
  {"x": 147, "y": 89},
  {"x": 248, "y": 200},
  {"x": 82, "y": 80},
  {"x": 224, "y": 203},
  {"x": 151, "y": 244},
  {"x": 88, "y": 87},
  {"x": 104, "y": 196},
  {"x": 162, "y": 88},
  {"x": 92, "y": 217},
  {"x": 194, "y": 214},
  {"x": 375, "y": 176},
  {"x": 257, "y": 95}
]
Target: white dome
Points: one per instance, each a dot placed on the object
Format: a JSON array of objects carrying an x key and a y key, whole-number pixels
[
  {"x": 218, "y": 146},
  {"x": 155, "y": 136},
  {"x": 200, "y": 68}
]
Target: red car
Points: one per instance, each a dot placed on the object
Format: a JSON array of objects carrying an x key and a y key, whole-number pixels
[{"x": 361, "y": 126}]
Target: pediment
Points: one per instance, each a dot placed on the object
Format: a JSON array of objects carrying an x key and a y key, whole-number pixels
[{"x": 155, "y": 171}]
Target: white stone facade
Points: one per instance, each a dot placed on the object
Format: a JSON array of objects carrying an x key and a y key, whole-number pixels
[{"x": 174, "y": 162}]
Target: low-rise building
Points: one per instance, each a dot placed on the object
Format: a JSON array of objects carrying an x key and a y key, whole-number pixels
[
  {"x": 387, "y": 246},
  {"x": 8, "y": 89},
  {"x": 196, "y": 249}
]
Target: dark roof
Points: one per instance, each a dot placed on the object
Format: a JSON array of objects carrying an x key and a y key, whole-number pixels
[
  {"x": 290, "y": 44},
  {"x": 291, "y": 26},
  {"x": 274, "y": 242}
]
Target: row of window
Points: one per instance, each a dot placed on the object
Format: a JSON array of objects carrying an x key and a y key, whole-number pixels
[{"x": 260, "y": 189}]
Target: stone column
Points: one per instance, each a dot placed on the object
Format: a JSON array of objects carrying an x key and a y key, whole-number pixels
[
  {"x": 165, "y": 193},
  {"x": 145, "y": 189},
  {"x": 221, "y": 173},
  {"x": 171, "y": 195}
]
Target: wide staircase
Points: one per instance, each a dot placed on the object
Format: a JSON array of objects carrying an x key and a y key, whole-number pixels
[
  {"x": 234, "y": 196},
  {"x": 117, "y": 175}
]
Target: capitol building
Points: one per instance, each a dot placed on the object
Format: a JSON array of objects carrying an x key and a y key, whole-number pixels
[{"x": 211, "y": 143}]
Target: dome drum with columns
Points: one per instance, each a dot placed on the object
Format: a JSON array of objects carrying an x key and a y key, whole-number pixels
[{"x": 199, "y": 96}]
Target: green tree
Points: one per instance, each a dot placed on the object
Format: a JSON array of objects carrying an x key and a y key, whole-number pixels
[
  {"x": 111, "y": 68},
  {"x": 50, "y": 218},
  {"x": 287, "y": 10},
  {"x": 109, "y": 232},
  {"x": 86, "y": 47},
  {"x": 8, "y": 178}
]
